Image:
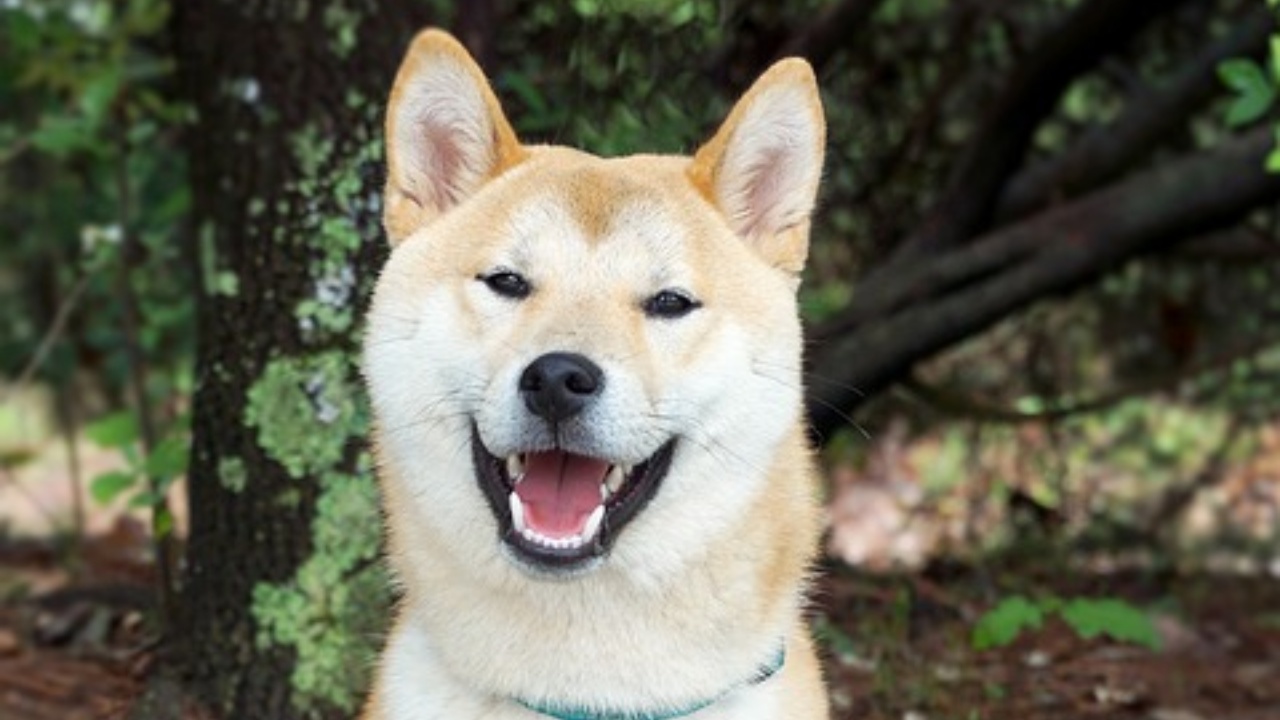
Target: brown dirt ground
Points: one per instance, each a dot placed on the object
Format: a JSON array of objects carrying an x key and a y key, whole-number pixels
[{"x": 897, "y": 645}]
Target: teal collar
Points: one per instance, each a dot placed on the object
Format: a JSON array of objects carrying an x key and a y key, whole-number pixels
[{"x": 569, "y": 712}]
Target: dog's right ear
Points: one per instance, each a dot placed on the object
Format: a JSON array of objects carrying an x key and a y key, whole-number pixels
[
  {"x": 446, "y": 134},
  {"x": 762, "y": 167}
]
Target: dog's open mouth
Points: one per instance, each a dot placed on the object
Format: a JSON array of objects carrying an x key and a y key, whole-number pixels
[{"x": 559, "y": 510}]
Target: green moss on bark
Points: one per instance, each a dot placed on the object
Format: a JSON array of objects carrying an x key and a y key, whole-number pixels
[
  {"x": 305, "y": 410},
  {"x": 333, "y": 611}
]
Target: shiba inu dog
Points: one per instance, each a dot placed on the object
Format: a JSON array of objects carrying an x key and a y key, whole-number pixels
[{"x": 585, "y": 375}]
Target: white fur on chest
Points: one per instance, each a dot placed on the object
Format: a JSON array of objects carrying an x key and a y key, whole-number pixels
[{"x": 421, "y": 689}]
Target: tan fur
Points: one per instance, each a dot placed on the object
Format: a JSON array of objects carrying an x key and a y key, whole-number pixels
[{"x": 472, "y": 631}]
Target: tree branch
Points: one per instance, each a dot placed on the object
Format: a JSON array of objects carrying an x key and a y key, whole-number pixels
[
  {"x": 1055, "y": 252},
  {"x": 1105, "y": 152},
  {"x": 1092, "y": 31}
]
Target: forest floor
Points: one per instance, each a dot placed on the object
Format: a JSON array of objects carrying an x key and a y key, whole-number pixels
[{"x": 77, "y": 645}]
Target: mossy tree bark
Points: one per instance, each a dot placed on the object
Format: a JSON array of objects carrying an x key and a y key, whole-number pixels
[{"x": 280, "y": 602}]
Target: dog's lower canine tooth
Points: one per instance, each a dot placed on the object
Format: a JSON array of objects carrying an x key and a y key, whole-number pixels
[
  {"x": 517, "y": 512},
  {"x": 593, "y": 525}
]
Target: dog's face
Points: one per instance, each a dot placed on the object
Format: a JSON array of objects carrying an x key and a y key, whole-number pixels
[{"x": 576, "y": 360}]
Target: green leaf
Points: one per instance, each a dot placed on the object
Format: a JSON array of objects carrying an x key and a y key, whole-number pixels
[
  {"x": 1241, "y": 74},
  {"x": 99, "y": 93},
  {"x": 1114, "y": 618},
  {"x": 1254, "y": 90},
  {"x": 145, "y": 499},
  {"x": 162, "y": 523},
  {"x": 1275, "y": 58},
  {"x": 1273, "y": 159},
  {"x": 1248, "y": 108},
  {"x": 1003, "y": 623},
  {"x": 108, "y": 486},
  {"x": 167, "y": 459},
  {"x": 24, "y": 33},
  {"x": 61, "y": 135},
  {"x": 116, "y": 430}
]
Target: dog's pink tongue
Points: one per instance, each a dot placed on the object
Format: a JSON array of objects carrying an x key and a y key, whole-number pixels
[{"x": 560, "y": 491}]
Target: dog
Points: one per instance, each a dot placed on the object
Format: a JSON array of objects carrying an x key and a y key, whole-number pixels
[{"x": 585, "y": 377}]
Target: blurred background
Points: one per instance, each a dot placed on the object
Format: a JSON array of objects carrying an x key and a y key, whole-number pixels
[{"x": 1042, "y": 304}]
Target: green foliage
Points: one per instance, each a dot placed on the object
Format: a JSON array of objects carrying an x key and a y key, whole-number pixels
[
  {"x": 1254, "y": 90},
  {"x": 146, "y": 475},
  {"x": 672, "y": 12},
  {"x": 1087, "y": 617},
  {"x": 1273, "y": 159},
  {"x": 1091, "y": 618},
  {"x": 1005, "y": 622},
  {"x": 115, "y": 430},
  {"x": 615, "y": 94},
  {"x": 94, "y": 198}
]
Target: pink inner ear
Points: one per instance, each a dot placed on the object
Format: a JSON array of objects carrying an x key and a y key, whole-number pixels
[
  {"x": 445, "y": 162},
  {"x": 763, "y": 194}
]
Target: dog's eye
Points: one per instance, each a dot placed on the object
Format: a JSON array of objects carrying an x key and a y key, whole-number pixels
[
  {"x": 670, "y": 304},
  {"x": 507, "y": 284}
]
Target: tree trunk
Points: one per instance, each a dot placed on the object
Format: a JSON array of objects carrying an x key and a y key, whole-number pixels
[{"x": 282, "y": 599}]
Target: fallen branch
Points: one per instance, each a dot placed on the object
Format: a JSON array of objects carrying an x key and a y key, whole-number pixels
[{"x": 957, "y": 404}]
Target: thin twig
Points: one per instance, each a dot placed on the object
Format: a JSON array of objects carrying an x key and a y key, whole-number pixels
[
  {"x": 51, "y": 336},
  {"x": 130, "y": 249},
  {"x": 7, "y": 477},
  {"x": 14, "y": 150},
  {"x": 69, "y": 418}
]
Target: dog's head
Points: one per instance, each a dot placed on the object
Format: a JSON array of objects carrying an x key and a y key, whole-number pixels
[{"x": 574, "y": 359}]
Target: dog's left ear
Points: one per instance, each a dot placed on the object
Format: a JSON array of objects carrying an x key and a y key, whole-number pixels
[{"x": 762, "y": 167}]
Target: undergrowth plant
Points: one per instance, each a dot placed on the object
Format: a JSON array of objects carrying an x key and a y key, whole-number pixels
[
  {"x": 1255, "y": 87},
  {"x": 1089, "y": 618}
]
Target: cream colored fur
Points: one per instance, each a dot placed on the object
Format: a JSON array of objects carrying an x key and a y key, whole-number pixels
[{"x": 705, "y": 583}]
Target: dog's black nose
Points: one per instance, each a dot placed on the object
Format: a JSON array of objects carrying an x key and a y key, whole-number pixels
[{"x": 558, "y": 385}]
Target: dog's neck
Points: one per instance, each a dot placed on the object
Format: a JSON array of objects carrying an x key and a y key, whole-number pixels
[{"x": 565, "y": 712}]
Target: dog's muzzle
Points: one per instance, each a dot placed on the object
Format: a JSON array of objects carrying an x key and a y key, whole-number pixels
[{"x": 558, "y": 510}]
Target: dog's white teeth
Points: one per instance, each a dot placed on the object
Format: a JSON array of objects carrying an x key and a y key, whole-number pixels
[
  {"x": 593, "y": 524},
  {"x": 515, "y": 469},
  {"x": 565, "y": 543},
  {"x": 589, "y": 530},
  {"x": 613, "y": 481},
  {"x": 517, "y": 513}
]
